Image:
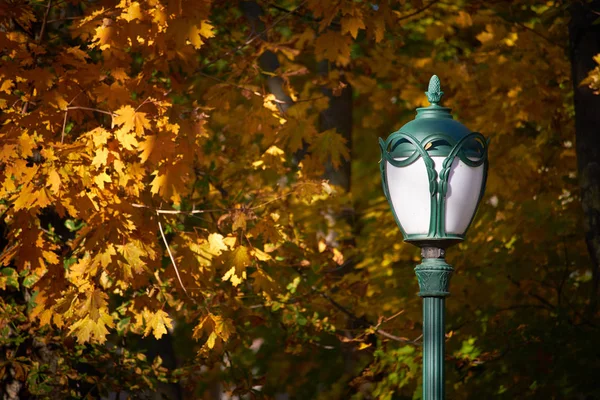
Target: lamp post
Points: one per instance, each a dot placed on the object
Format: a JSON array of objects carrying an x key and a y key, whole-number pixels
[{"x": 433, "y": 172}]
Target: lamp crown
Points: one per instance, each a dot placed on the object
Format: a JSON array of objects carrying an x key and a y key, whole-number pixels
[{"x": 434, "y": 91}]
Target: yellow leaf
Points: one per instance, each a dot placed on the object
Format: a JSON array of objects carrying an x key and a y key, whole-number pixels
[
  {"x": 196, "y": 33},
  {"x": 146, "y": 147},
  {"x": 206, "y": 29},
  {"x": 128, "y": 140},
  {"x": 25, "y": 198},
  {"x": 99, "y": 136},
  {"x": 363, "y": 346},
  {"x": 216, "y": 243},
  {"x": 239, "y": 259},
  {"x": 158, "y": 324},
  {"x": 158, "y": 183},
  {"x": 486, "y": 35},
  {"x": 100, "y": 158},
  {"x": 42, "y": 200},
  {"x": 352, "y": 24},
  {"x": 7, "y": 151},
  {"x": 105, "y": 258},
  {"x": 464, "y": 19},
  {"x": 53, "y": 181},
  {"x": 261, "y": 255},
  {"x": 130, "y": 119},
  {"x": 239, "y": 221},
  {"x": 27, "y": 144},
  {"x": 338, "y": 257},
  {"x": 211, "y": 340},
  {"x": 133, "y": 11},
  {"x": 95, "y": 318},
  {"x": 331, "y": 145},
  {"x": 333, "y": 46},
  {"x": 223, "y": 327},
  {"x": 101, "y": 178},
  {"x": 322, "y": 246},
  {"x": 7, "y": 86},
  {"x": 46, "y": 317}
]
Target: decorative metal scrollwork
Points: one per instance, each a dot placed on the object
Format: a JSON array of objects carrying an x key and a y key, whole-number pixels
[{"x": 438, "y": 188}]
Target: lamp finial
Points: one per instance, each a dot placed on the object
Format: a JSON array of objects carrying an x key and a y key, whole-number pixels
[{"x": 434, "y": 92}]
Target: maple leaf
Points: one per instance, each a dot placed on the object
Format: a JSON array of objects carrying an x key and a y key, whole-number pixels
[
  {"x": 128, "y": 140},
  {"x": 261, "y": 281},
  {"x": 26, "y": 144},
  {"x": 7, "y": 86},
  {"x": 197, "y": 33},
  {"x": 157, "y": 323},
  {"x": 352, "y": 24},
  {"x": 53, "y": 181},
  {"x": 146, "y": 147},
  {"x": 95, "y": 319},
  {"x": 132, "y": 12},
  {"x": 100, "y": 158},
  {"x": 216, "y": 243},
  {"x": 102, "y": 178},
  {"x": 238, "y": 259},
  {"x": 239, "y": 221},
  {"x": 333, "y": 46},
  {"x": 297, "y": 133},
  {"x": 42, "y": 199},
  {"x": 25, "y": 198},
  {"x": 130, "y": 120},
  {"x": 330, "y": 145}
]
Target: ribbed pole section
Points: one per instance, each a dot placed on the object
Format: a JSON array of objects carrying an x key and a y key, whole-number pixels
[
  {"x": 434, "y": 280},
  {"x": 433, "y": 348}
]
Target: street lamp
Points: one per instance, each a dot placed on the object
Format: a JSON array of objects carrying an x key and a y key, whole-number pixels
[{"x": 433, "y": 172}]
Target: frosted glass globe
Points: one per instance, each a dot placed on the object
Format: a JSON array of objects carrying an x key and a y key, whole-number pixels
[{"x": 408, "y": 189}]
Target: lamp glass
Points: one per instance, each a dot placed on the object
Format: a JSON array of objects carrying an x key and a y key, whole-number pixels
[{"x": 409, "y": 193}]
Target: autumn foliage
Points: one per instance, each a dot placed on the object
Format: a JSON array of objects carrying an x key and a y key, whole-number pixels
[{"x": 170, "y": 219}]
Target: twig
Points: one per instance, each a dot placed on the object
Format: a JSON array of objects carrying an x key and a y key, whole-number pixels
[
  {"x": 45, "y": 21},
  {"x": 388, "y": 319},
  {"x": 214, "y": 78},
  {"x": 523, "y": 26},
  {"x": 160, "y": 211},
  {"x": 295, "y": 12},
  {"x": 394, "y": 337},
  {"x": 417, "y": 11},
  {"x": 62, "y": 135},
  {"x": 39, "y": 40},
  {"x": 162, "y": 233},
  {"x": 365, "y": 323},
  {"x": 256, "y": 36},
  {"x": 64, "y": 19},
  {"x": 91, "y": 109}
]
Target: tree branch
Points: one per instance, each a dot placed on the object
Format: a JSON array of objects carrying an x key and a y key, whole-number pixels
[
  {"x": 45, "y": 21},
  {"x": 417, "y": 11},
  {"x": 162, "y": 233},
  {"x": 256, "y": 36}
]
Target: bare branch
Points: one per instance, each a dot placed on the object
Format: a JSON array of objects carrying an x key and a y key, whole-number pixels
[
  {"x": 257, "y": 35},
  {"x": 417, "y": 11},
  {"x": 45, "y": 21},
  {"x": 160, "y": 211},
  {"x": 92, "y": 109},
  {"x": 162, "y": 233}
]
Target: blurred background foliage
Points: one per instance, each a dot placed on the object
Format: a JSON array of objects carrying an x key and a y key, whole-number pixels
[{"x": 295, "y": 288}]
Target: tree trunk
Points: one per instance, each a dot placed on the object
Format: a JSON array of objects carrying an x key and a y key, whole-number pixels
[
  {"x": 339, "y": 113},
  {"x": 585, "y": 44},
  {"x": 339, "y": 116}
]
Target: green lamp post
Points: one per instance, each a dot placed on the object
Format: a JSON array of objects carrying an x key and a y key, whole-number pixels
[{"x": 433, "y": 172}]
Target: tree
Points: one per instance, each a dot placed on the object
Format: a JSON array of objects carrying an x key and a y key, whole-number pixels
[{"x": 168, "y": 166}]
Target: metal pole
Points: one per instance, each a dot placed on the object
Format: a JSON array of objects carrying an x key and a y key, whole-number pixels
[{"x": 434, "y": 279}]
